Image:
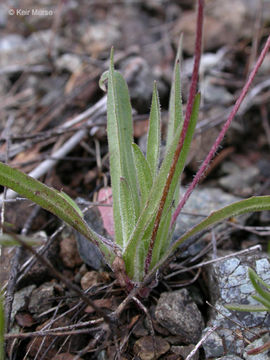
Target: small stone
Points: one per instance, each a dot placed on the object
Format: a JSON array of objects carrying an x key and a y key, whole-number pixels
[
  {"x": 25, "y": 320},
  {"x": 178, "y": 313},
  {"x": 150, "y": 348},
  {"x": 89, "y": 279},
  {"x": 241, "y": 182},
  {"x": 70, "y": 62},
  {"x": 140, "y": 330},
  {"x": 214, "y": 94},
  {"x": 40, "y": 300},
  {"x": 201, "y": 202},
  {"x": 21, "y": 299}
]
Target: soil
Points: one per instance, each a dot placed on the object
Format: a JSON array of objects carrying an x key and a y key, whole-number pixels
[{"x": 52, "y": 54}]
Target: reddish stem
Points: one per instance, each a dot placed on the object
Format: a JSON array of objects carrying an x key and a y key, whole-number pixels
[
  {"x": 192, "y": 93},
  {"x": 220, "y": 137}
]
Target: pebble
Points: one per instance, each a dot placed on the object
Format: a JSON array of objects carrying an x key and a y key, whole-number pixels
[{"x": 178, "y": 313}]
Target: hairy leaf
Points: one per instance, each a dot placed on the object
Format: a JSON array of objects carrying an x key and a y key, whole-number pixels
[
  {"x": 127, "y": 213},
  {"x": 10, "y": 240},
  {"x": 144, "y": 176},
  {"x": 120, "y": 138},
  {"x": 176, "y": 117},
  {"x": 247, "y": 308},
  {"x": 153, "y": 139},
  {"x": 53, "y": 201}
]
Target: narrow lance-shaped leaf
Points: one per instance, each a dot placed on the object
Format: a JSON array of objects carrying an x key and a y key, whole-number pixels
[
  {"x": 144, "y": 175},
  {"x": 175, "y": 104},
  {"x": 252, "y": 275},
  {"x": 120, "y": 138},
  {"x": 127, "y": 213},
  {"x": 254, "y": 278},
  {"x": 153, "y": 139},
  {"x": 55, "y": 202},
  {"x": 253, "y": 204},
  {"x": 263, "y": 301},
  {"x": 247, "y": 308},
  {"x": 163, "y": 239},
  {"x": 9, "y": 240}
]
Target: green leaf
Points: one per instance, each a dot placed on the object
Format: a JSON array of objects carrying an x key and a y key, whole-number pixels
[
  {"x": 127, "y": 212},
  {"x": 263, "y": 301},
  {"x": 163, "y": 238},
  {"x": 148, "y": 213},
  {"x": 143, "y": 171},
  {"x": 256, "y": 203},
  {"x": 103, "y": 79},
  {"x": 244, "y": 307},
  {"x": 254, "y": 278},
  {"x": 153, "y": 139},
  {"x": 71, "y": 202},
  {"x": 120, "y": 138},
  {"x": 10, "y": 240},
  {"x": 176, "y": 117},
  {"x": 53, "y": 201},
  {"x": 252, "y": 275}
]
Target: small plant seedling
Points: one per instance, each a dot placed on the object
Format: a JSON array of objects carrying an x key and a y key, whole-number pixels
[{"x": 145, "y": 189}]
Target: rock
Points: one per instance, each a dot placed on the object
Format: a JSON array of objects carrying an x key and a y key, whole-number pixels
[
  {"x": 140, "y": 329},
  {"x": 229, "y": 283},
  {"x": 69, "y": 62},
  {"x": 255, "y": 344},
  {"x": 25, "y": 320},
  {"x": 99, "y": 37},
  {"x": 89, "y": 279},
  {"x": 150, "y": 348},
  {"x": 241, "y": 182},
  {"x": 184, "y": 351},
  {"x": 213, "y": 94},
  {"x": 202, "y": 202},
  {"x": 21, "y": 299},
  {"x": 17, "y": 50},
  {"x": 40, "y": 300},
  {"x": 179, "y": 314}
]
